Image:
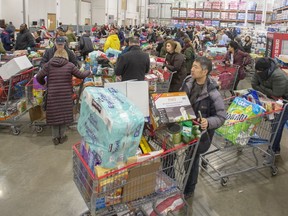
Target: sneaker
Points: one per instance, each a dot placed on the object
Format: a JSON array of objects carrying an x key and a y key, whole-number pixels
[
  {"x": 277, "y": 153},
  {"x": 63, "y": 139},
  {"x": 56, "y": 141}
]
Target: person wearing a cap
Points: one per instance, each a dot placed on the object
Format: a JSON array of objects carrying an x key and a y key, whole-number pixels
[
  {"x": 112, "y": 41},
  {"x": 59, "y": 103},
  {"x": 60, "y": 43},
  {"x": 273, "y": 82},
  {"x": 24, "y": 39}
]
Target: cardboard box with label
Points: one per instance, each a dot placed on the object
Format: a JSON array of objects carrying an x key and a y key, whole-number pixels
[{"x": 169, "y": 108}]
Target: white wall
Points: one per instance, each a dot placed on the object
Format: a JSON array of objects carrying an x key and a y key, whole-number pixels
[
  {"x": 1, "y": 17},
  {"x": 38, "y": 9},
  {"x": 68, "y": 12},
  {"x": 12, "y": 11},
  {"x": 98, "y": 12},
  {"x": 85, "y": 12}
]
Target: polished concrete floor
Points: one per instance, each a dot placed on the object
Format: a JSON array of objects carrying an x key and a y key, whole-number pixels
[{"x": 36, "y": 180}]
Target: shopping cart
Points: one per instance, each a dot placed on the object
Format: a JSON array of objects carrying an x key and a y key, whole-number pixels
[
  {"x": 159, "y": 80},
  {"x": 250, "y": 152},
  {"x": 15, "y": 99},
  {"x": 226, "y": 77},
  {"x": 137, "y": 186},
  {"x": 38, "y": 116}
]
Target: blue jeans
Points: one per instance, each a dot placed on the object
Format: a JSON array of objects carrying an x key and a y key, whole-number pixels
[{"x": 278, "y": 135}]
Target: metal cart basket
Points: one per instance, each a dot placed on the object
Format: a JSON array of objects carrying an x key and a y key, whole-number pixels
[
  {"x": 250, "y": 152},
  {"x": 132, "y": 187}
]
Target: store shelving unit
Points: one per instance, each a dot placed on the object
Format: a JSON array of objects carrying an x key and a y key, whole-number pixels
[
  {"x": 231, "y": 15},
  {"x": 280, "y": 12}
]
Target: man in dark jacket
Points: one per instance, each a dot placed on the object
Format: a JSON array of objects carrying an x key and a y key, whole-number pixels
[
  {"x": 85, "y": 45},
  {"x": 134, "y": 64},
  {"x": 151, "y": 37},
  {"x": 24, "y": 39},
  {"x": 273, "y": 82},
  {"x": 60, "y": 43},
  {"x": 205, "y": 98}
]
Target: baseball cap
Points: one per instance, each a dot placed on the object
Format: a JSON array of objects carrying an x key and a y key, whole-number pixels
[{"x": 60, "y": 40}]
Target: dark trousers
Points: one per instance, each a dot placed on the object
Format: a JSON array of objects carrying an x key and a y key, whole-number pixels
[
  {"x": 278, "y": 135},
  {"x": 192, "y": 175}
]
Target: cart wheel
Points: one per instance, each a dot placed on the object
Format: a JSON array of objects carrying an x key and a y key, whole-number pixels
[
  {"x": 274, "y": 171},
  {"x": 15, "y": 130},
  {"x": 39, "y": 129},
  {"x": 224, "y": 181},
  {"x": 204, "y": 163}
]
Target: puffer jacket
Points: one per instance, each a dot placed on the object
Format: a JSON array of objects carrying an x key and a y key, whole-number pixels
[
  {"x": 274, "y": 84},
  {"x": 112, "y": 42},
  {"x": 59, "y": 73},
  {"x": 211, "y": 105}
]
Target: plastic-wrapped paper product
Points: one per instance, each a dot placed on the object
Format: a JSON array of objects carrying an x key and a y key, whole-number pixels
[
  {"x": 242, "y": 118},
  {"x": 112, "y": 52},
  {"x": 111, "y": 124}
]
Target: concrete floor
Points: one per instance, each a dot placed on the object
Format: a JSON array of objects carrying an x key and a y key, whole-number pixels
[{"x": 36, "y": 180}]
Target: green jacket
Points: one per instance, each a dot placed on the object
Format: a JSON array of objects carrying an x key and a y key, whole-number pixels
[
  {"x": 2, "y": 50},
  {"x": 275, "y": 84},
  {"x": 71, "y": 37},
  {"x": 190, "y": 57}
]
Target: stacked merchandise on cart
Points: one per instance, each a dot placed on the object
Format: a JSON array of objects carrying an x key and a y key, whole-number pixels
[
  {"x": 245, "y": 140},
  {"x": 14, "y": 96},
  {"x": 101, "y": 66},
  {"x": 116, "y": 167}
]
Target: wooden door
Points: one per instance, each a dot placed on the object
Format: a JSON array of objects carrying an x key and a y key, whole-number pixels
[{"x": 51, "y": 25}]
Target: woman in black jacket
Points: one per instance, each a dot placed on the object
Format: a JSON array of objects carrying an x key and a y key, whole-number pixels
[
  {"x": 248, "y": 44},
  {"x": 175, "y": 62}
]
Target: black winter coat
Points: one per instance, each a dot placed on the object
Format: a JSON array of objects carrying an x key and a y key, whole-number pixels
[
  {"x": 49, "y": 54},
  {"x": 133, "y": 64},
  {"x": 59, "y": 99},
  {"x": 86, "y": 45},
  {"x": 175, "y": 62},
  {"x": 24, "y": 40}
]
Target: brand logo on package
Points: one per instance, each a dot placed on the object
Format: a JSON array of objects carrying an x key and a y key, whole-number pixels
[{"x": 96, "y": 106}]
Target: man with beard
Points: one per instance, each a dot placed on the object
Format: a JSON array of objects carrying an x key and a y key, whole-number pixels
[{"x": 24, "y": 39}]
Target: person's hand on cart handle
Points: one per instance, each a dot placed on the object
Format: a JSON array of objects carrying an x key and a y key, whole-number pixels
[{"x": 204, "y": 123}]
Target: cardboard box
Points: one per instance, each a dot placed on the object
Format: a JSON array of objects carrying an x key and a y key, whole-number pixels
[
  {"x": 141, "y": 181},
  {"x": 170, "y": 107},
  {"x": 14, "y": 66},
  {"x": 36, "y": 113},
  {"x": 136, "y": 91}
]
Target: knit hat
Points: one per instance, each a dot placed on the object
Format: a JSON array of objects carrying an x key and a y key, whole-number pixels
[{"x": 263, "y": 64}]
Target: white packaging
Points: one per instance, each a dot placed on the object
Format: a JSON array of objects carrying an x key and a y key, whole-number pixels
[{"x": 14, "y": 66}]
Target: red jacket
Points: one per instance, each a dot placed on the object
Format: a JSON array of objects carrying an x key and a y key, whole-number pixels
[{"x": 241, "y": 59}]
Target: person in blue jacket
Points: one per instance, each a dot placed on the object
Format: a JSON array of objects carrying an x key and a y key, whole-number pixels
[{"x": 6, "y": 39}]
